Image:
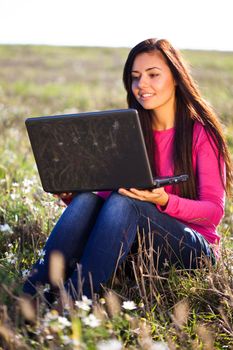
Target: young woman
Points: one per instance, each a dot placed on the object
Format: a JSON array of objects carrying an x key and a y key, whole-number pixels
[{"x": 182, "y": 135}]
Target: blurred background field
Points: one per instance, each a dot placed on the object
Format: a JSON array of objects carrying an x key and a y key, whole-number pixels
[{"x": 43, "y": 80}]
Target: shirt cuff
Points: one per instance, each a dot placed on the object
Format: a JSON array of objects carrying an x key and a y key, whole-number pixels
[{"x": 172, "y": 199}]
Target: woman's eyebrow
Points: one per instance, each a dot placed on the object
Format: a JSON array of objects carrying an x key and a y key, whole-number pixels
[{"x": 135, "y": 71}]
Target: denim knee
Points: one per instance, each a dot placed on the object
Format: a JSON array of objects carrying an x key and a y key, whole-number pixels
[
  {"x": 118, "y": 206},
  {"x": 84, "y": 197},
  {"x": 116, "y": 223},
  {"x": 84, "y": 202}
]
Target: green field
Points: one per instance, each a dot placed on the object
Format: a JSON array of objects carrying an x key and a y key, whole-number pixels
[{"x": 186, "y": 312}]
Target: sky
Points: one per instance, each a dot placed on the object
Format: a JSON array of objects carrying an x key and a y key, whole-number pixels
[{"x": 188, "y": 24}]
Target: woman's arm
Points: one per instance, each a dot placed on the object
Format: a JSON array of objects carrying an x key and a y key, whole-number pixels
[{"x": 209, "y": 206}]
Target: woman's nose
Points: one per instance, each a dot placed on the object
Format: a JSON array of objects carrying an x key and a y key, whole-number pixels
[{"x": 142, "y": 82}]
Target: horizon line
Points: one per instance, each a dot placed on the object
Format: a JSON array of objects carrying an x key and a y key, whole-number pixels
[{"x": 107, "y": 46}]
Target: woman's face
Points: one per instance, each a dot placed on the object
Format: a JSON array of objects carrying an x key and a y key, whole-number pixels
[{"x": 152, "y": 82}]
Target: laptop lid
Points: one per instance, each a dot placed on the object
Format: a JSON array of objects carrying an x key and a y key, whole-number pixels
[{"x": 91, "y": 151}]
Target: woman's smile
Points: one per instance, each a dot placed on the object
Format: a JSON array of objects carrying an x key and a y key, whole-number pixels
[{"x": 145, "y": 95}]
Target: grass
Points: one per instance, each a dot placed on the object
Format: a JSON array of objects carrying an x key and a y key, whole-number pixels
[{"x": 179, "y": 310}]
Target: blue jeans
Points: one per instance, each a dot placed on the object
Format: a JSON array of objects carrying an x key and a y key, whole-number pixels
[{"x": 92, "y": 232}]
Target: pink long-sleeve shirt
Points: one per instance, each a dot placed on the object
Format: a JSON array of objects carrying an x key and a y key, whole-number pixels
[{"x": 206, "y": 212}]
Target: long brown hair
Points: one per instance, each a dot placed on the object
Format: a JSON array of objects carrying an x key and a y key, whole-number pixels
[{"x": 190, "y": 107}]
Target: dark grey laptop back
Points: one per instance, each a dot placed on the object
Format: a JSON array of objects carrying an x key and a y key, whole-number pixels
[{"x": 90, "y": 151}]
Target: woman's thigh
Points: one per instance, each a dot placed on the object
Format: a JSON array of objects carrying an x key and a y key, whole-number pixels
[{"x": 174, "y": 243}]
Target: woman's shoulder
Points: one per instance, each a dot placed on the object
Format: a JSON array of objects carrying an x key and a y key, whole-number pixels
[
  {"x": 201, "y": 136},
  {"x": 199, "y": 132},
  {"x": 198, "y": 127}
]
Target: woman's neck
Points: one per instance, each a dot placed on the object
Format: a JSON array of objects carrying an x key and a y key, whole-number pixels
[
  {"x": 161, "y": 122},
  {"x": 164, "y": 117}
]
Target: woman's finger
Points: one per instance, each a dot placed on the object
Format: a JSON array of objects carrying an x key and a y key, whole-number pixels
[
  {"x": 145, "y": 194},
  {"x": 63, "y": 195},
  {"x": 124, "y": 191},
  {"x": 130, "y": 194}
]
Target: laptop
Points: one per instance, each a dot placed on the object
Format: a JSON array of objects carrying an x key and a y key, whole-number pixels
[{"x": 91, "y": 151}]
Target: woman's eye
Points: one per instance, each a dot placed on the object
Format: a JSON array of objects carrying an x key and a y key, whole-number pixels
[
  {"x": 154, "y": 75},
  {"x": 134, "y": 78}
]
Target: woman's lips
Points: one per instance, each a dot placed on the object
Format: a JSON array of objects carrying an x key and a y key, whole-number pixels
[{"x": 145, "y": 96}]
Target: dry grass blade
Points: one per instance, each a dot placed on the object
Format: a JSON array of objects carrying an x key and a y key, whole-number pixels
[
  {"x": 206, "y": 336},
  {"x": 11, "y": 339},
  {"x": 56, "y": 268},
  {"x": 99, "y": 312},
  {"x": 28, "y": 309},
  {"x": 113, "y": 304},
  {"x": 181, "y": 313}
]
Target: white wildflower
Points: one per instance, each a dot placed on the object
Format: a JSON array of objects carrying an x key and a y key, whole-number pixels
[
  {"x": 112, "y": 344},
  {"x": 55, "y": 322},
  {"x": 51, "y": 316},
  {"x": 46, "y": 288},
  {"x": 63, "y": 322},
  {"x": 86, "y": 300},
  {"x": 129, "y": 305},
  {"x": 41, "y": 254},
  {"x": 84, "y": 304},
  {"x": 11, "y": 258},
  {"x": 91, "y": 321},
  {"x": 6, "y": 229},
  {"x": 28, "y": 183},
  {"x": 25, "y": 273},
  {"x": 49, "y": 337},
  {"x": 14, "y": 196},
  {"x": 66, "y": 340}
]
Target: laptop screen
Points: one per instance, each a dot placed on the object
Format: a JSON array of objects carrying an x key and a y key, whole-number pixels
[{"x": 92, "y": 151}]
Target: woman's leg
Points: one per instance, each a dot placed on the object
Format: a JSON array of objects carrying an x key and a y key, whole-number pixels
[
  {"x": 174, "y": 243},
  {"x": 115, "y": 232},
  {"x": 69, "y": 237},
  {"x": 111, "y": 237}
]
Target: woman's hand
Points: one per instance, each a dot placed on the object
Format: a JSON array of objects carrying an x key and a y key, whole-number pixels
[
  {"x": 64, "y": 195},
  {"x": 156, "y": 196}
]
